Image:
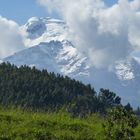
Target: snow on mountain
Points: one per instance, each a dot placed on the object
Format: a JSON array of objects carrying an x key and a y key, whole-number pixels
[
  {"x": 50, "y": 48},
  {"x": 35, "y": 28},
  {"x": 124, "y": 70},
  {"x": 44, "y": 30},
  {"x": 56, "y": 56}
]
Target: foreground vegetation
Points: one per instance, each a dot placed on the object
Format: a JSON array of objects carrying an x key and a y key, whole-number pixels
[
  {"x": 22, "y": 125},
  {"x": 26, "y": 125}
]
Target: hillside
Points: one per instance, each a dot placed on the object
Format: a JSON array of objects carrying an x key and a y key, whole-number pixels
[
  {"x": 40, "y": 90},
  {"x": 21, "y": 125}
]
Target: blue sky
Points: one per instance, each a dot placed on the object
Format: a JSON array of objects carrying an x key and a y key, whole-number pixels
[
  {"x": 110, "y": 2},
  {"x": 21, "y": 10}
]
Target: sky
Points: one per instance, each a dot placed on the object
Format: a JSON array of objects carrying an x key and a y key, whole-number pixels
[{"x": 21, "y": 10}]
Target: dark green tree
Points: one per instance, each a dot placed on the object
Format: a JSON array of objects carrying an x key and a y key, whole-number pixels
[
  {"x": 137, "y": 111},
  {"x": 128, "y": 107},
  {"x": 108, "y": 99}
]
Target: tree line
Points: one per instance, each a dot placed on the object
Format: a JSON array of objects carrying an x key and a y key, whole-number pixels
[{"x": 35, "y": 89}]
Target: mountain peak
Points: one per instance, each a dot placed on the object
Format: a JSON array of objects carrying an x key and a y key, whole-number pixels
[
  {"x": 44, "y": 30},
  {"x": 35, "y": 27}
]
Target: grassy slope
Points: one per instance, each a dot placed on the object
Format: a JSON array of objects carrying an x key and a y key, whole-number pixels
[
  {"x": 19, "y": 125},
  {"x": 137, "y": 133}
]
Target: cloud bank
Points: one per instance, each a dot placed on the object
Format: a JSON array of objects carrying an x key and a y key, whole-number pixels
[
  {"x": 11, "y": 39},
  {"x": 105, "y": 33}
]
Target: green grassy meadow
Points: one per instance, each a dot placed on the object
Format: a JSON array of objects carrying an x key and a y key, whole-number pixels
[{"x": 27, "y": 125}]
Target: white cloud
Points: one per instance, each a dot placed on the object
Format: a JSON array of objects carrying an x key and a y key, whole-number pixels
[
  {"x": 106, "y": 34},
  {"x": 11, "y": 39}
]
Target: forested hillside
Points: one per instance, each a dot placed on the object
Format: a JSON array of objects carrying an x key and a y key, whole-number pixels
[
  {"x": 34, "y": 89},
  {"x": 38, "y": 105}
]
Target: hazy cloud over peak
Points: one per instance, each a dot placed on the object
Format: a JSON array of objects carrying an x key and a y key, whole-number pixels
[
  {"x": 106, "y": 34},
  {"x": 11, "y": 39}
]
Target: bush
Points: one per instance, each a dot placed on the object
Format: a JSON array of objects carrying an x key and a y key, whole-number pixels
[{"x": 120, "y": 124}]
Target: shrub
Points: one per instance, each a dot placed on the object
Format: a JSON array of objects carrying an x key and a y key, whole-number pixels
[{"x": 120, "y": 124}]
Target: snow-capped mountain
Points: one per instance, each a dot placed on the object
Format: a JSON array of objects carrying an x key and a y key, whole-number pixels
[
  {"x": 51, "y": 48},
  {"x": 56, "y": 56}
]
